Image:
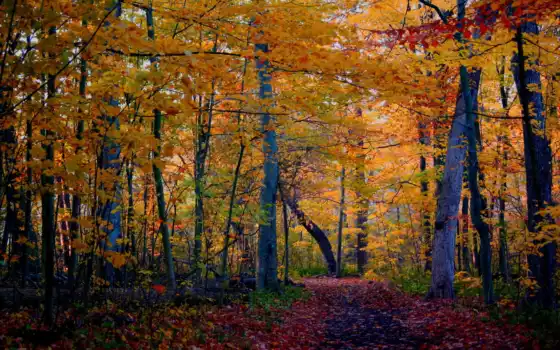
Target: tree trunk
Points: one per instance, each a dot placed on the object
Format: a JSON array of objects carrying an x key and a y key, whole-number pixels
[
  {"x": 158, "y": 177},
  {"x": 223, "y": 267},
  {"x": 162, "y": 214},
  {"x": 48, "y": 216},
  {"x": 315, "y": 232},
  {"x": 267, "y": 259},
  {"x": 443, "y": 255},
  {"x": 286, "y": 240},
  {"x": 110, "y": 162},
  {"x": 76, "y": 198},
  {"x": 362, "y": 202},
  {"x": 201, "y": 153},
  {"x": 478, "y": 205},
  {"x": 426, "y": 229},
  {"x": 28, "y": 202},
  {"x": 439, "y": 164},
  {"x": 503, "y": 253},
  {"x": 538, "y": 166},
  {"x": 340, "y": 225}
]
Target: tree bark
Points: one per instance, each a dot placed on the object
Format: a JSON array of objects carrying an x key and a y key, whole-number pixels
[
  {"x": 503, "y": 252},
  {"x": 286, "y": 240},
  {"x": 76, "y": 198},
  {"x": 48, "y": 216},
  {"x": 426, "y": 225},
  {"x": 110, "y": 162},
  {"x": 538, "y": 166},
  {"x": 340, "y": 224},
  {"x": 478, "y": 203},
  {"x": 362, "y": 203},
  {"x": 223, "y": 268},
  {"x": 267, "y": 270},
  {"x": 443, "y": 255},
  {"x": 315, "y": 232},
  {"x": 158, "y": 177}
]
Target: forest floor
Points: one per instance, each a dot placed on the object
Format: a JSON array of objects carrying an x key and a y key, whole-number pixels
[
  {"x": 351, "y": 313},
  {"x": 360, "y": 314},
  {"x": 347, "y": 313}
]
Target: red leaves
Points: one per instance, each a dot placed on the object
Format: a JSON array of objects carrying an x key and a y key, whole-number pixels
[
  {"x": 160, "y": 289},
  {"x": 487, "y": 19}
]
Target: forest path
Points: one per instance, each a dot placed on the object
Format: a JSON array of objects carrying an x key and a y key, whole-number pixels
[
  {"x": 361, "y": 317},
  {"x": 359, "y": 314}
]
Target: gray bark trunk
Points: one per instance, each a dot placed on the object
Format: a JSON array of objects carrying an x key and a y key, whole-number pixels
[
  {"x": 443, "y": 255},
  {"x": 267, "y": 269}
]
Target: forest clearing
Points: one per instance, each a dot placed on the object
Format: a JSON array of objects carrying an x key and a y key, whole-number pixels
[{"x": 329, "y": 174}]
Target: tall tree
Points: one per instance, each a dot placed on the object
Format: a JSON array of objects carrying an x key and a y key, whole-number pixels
[
  {"x": 503, "y": 250},
  {"x": 362, "y": 202},
  {"x": 158, "y": 177},
  {"x": 538, "y": 163},
  {"x": 110, "y": 162},
  {"x": 424, "y": 139},
  {"x": 443, "y": 269},
  {"x": 340, "y": 224},
  {"x": 47, "y": 203},
  {"x": 267, "y": 269}
]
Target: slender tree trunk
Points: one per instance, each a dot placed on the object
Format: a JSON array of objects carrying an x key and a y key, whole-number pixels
[
  {"x": 145, "y": 224},
  {"x": 315, "y": 232},
  {"x": 12, "y": 224},
  {"x": 28, "y": 202},
  {"x": 8, "y": 137},
  {"x": 162, "y": 215},
  {"x": 363, "y": 204},
  {"x": 130, "y": 230},
  {"x": 286, "y": 241},
  {"x": 48, "y": 215},
  {"x": 201, "y": 153},
  {"x": 158, "y": 177},
  {"x": 426, "y": 226},
  {"x": 267, "y": 270},
  {"x": 439, "y": 164},
  {"x": 76, "y": 198},
  {"x": 538, "y": 165},
  {"x": 503, "y": 253},
  {"x": 110, "y": 162},
  {"x": 339, "y": 266},
  {"x": 223, "y": 267}
]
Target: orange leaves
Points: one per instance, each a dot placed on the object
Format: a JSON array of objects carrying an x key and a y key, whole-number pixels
[
  {"x": 172, "y": 110},
  {"x": 116, "y": 259},
  {"x": 79, "y": 245}
]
